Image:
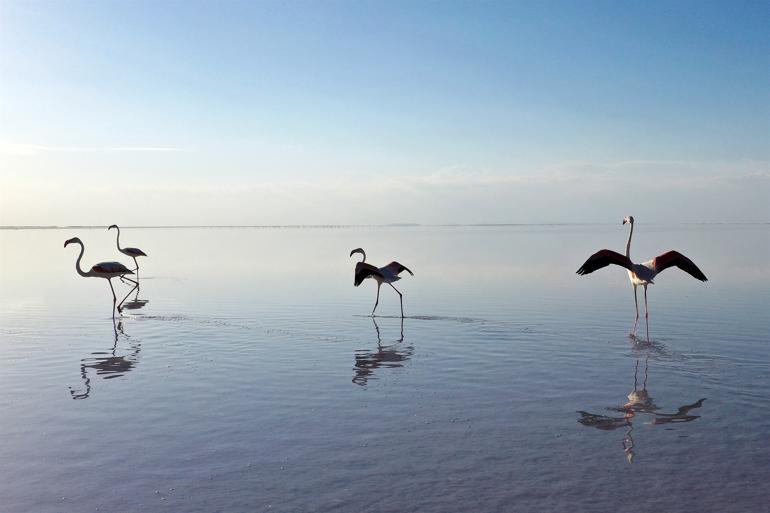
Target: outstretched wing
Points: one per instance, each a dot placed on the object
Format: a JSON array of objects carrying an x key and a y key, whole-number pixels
[
  {"x": 396, "y": 268},
  {"x": 363, "y": 271},
  {"x": 603, "y": 258},
  {"x": 674, "y": 258},
  {"x": 111, "y": 268}
]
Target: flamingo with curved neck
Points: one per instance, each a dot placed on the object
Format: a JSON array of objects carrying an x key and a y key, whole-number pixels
[
  {"x": 132, "y": 252},
  {"x": 106, "y": 270}
]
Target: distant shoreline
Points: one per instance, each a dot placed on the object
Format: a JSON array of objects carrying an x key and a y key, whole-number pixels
[{"x": 342, "y": 226}]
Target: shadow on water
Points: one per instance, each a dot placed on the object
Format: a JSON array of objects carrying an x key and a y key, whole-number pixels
[
  {"x": 640, "y": 407},
  {"x": 108, "y": 364},
  {"x": 394, "y": 354}
]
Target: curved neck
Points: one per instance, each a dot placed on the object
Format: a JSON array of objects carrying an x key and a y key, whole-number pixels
[
  {"x": 77, "y": 262},
  {"x": 628, "y": 245},
  {"x": 363, "y": 254},
  {"x": 117, "y": 239}
]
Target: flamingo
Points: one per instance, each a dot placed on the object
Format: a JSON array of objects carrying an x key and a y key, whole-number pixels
[
  {"x": 387, "y": 274},
  {"x": 132, "y": 252},
  {"x": 641, "y": 274},
  {"x": 106, "y": 270}
]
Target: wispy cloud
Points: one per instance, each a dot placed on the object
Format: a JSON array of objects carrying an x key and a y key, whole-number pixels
[
  {"x": 650, "y": 173},
  {"x": 20, "y": 149},
  {"x": 704, "y": 191}
]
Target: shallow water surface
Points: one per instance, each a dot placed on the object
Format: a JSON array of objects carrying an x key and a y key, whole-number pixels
[{"x": 246, "y": 374}]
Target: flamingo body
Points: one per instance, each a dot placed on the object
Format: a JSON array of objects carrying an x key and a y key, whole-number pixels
[
  {"x": 112, "y": 269},
  {"x": 133, "y": 252}
]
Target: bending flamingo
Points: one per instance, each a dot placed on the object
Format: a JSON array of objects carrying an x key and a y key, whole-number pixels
[
  {"x": 106, "y": 270},
  {"x": 641, "y": 274},
  {"x": 387, "y": 274},
  {"x": 132, "y": 252}
]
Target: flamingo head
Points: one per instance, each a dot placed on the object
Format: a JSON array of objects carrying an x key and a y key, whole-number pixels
[
  {"x": 113, "y": 226},
  {"x": 359, "y": 250},
  {"x": 73, "y": 240},
  {"x": 628, "y": 219}
]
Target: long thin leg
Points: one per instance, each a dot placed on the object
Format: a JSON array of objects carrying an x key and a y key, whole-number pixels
[
  {"x": 120, "y": 305},
  {"x": 135, "y": 282},
  {"x": 137, "y": 267},
  {"x": 124, "y": 279},
  {"x": 646, "y": 314},
  {"x": 377, "y": 301},
  {"x": 400, "y": 298},
  {"x": 114, "y": 299},
  {"x": 636, "y": 304}
]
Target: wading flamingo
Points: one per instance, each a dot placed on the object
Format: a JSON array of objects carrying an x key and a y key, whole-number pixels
[
  {"x": 132, "y": 252},
  {"x": 387, "y": 274},
  {"x": 106, "y": 270},
  {"x": 641, "y": 274}
]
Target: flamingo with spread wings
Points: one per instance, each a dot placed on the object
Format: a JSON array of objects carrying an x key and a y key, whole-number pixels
[
  {"x": 387, "y": 274},
  {"x": 641, "y": 274}
]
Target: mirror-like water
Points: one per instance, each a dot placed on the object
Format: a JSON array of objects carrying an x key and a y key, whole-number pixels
[{"x": 245, "y": 374}]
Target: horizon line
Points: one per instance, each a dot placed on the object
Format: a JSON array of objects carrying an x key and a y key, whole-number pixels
[{"x": 343, "y": 225}]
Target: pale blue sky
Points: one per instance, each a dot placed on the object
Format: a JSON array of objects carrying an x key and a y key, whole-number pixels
[{"x": 375, "y": 112}]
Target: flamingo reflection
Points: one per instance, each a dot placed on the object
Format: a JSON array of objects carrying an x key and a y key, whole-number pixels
[
  {"x": 107, "y": 364},
  {"x": 639, "y": 402},
  {"x": 136, "y": 303},
  {"x": 391, "y": 355}
]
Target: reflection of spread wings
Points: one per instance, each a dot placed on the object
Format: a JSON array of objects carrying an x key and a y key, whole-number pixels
[
  {"x": 368, "y": 361},
  {"x": 682, "y": 415},
  {"x": 393, "y": 355},
  {"x": 602, "y": 421},
  {"x": 683, "y": 410}
]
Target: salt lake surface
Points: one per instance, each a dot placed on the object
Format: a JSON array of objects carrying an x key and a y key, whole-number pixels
[{"x": 246, "y": 375}]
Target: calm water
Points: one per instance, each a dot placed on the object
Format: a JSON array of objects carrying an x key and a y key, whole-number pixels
[{"x": 247, "y": 377}]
